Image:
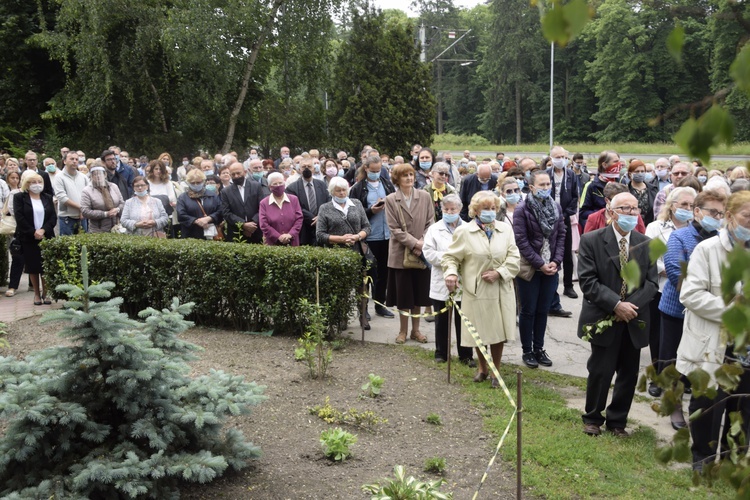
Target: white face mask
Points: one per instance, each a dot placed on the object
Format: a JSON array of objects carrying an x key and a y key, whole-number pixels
[{"x": 36, "y": 188}]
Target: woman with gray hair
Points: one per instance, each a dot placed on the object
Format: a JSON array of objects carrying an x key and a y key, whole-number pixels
[
  {"x": 343, "y": 222},
  {"x": 280, "y": 214},
  {"x": 101, "y": 202},
  {"x": 436, "y": 241}
]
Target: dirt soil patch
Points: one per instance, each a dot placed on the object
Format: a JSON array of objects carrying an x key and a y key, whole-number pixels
[{"x": 293, "y": 465}]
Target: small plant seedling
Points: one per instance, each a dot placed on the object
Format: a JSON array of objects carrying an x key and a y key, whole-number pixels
[
  {"x": 313, "y": 348},
  {"x": 434, "y": 419},
  {"x": 406, "y": 487},
  {"x": 435, "y": 464},
  {"x": 374, "y": 385},
  {"x": 336, "y": 443},
  {"x": 300, "y": 354}
]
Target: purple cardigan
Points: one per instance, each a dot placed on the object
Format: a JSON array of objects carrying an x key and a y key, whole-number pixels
[
  {"x": 275, "y": 221},
  {"x": 529, "y": 237}
]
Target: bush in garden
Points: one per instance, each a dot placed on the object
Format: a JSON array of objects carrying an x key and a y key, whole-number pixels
[
  {"x": 115, "y": 415},
  {"x": 234, "y": 285}
]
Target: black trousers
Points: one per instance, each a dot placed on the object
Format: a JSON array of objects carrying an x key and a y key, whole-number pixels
[
  {"x": 568, "y": 255},
  {"x": 380, "y": 272},
  {"x": 654, "y": 331},
  {"x": 441, "y": 333},
  {"x": 671, "y": 334},
  {"x": 705, "y": 429},
  {"x": 620, "y": 357},
  {"x": 16, "y": 270}
]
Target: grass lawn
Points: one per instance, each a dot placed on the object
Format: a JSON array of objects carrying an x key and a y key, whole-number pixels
[
  {"x": 459, "y": 143},
  {"x": 559, "y": 461}
]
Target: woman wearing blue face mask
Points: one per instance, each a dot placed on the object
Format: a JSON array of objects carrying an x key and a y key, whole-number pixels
[
  {"x": 422, "y": 167},
  {"x": 703, "y": 344},
  {"x": 198, "y": 209},
  {"x": 509, "y": 190},
  {"x": 540, "y": 236},
  {"x": 371, "y": 191},
  {"x": 484, "y": 253},
  {"x": 142, "y": 214},
  {"x": 708, "y": 215}
]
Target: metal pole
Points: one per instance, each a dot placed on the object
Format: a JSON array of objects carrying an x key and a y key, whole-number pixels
[
  {"x": 439, "y": 98},
  {"x": 450, "y": 324},
  {"x": 363, "y": 307},
  {"x": 551, "y": 89},
  {"x": 519, "y": 380}
]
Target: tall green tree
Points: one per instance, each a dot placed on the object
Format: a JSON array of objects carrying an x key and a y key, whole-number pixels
[{"x": 381, "y": 91}]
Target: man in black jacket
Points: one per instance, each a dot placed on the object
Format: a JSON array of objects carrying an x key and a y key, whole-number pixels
[
  {"x": 240, "y": 204},
  {"x": 473, "y": 183},
  {"x": 565, "y": 192},
  {"x": 312, "y": 193}
]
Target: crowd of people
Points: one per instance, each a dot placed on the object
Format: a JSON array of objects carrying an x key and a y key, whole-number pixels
[{"x": 499, "y": 230}]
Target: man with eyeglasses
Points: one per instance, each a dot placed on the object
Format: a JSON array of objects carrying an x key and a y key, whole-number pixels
[
  {"x": 679, "y": 171},
  {"x": 617, "y": 349}
]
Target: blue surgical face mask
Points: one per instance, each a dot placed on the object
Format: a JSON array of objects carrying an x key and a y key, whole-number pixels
[
  {"x": 211, "y": 188},
  {"x": 542, "y": 193},
  {"x": 196, "y": 187},
  {"x": 425, "y": 165},
  {"x": 373, "y": 176},
  {"x": 741, "y": 233},
  {"x": 257, "y": 175},
  {"x": 649, "y": 177},
  {"x": 51, "y": 169},
  {"x": 513, "y": 198},
  {"x": 527, "y": 175},
  {"x": 450, "y": 218},
  {"x": 521, "y": 183},
  {"x": 639, "y": 177},
  {"x": 627, "y": 222},
  {"x": 340, "y": 173},
  {"x": 702, "y": 179},
  {"x": 487, "y": 216},
  {"x": 142, "y": 193},
  {"x": 340, "y": 200},
  {"x": 316, "y": 168},
  {"x": 683, "y": 215},
  {"x": 710, "y": 224}
]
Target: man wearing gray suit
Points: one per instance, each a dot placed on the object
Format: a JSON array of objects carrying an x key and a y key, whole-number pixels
[{"x": 601, "y": 256}]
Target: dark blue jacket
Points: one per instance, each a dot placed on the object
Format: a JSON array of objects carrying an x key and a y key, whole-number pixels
[
  {"x": 529, "y": 238},
  {"x": 188, "y": 210},
  {"x": 568, "y": 191}
]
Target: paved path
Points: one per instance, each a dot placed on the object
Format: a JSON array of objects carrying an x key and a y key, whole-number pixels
[{"x": 21, "y": 305}]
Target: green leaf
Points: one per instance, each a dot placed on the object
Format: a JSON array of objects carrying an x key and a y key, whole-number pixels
[
  {"x": 562, "y": 23},
  {"x": 631, "y": 274},
  {"x": 740, "y": 69},
  {"x": 697, "y": 136},
  {"x": 728, "y": 376},
  {"x": 675, "y": 41},
  {"x": 735, "y": 319},
  {"x": 664, "y": 455},
  {"x": 656, "y": 248},
  {"x": 699, "y": 380}
]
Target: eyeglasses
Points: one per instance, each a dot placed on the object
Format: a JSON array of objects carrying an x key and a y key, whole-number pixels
[
  {"x": 627, "y": 210},
  {"x": 444, "y": 174},
  {"x": 511, "y": 191},
  {"x": 680, "y": 174},
  {"x": 712, "y": 212},
  {"x": 686, "y": 205}
]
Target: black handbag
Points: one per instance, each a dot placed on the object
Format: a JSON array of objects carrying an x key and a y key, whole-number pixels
[
  {"x": 363, "y": 248},
  {"x": 15, "y": 247}
]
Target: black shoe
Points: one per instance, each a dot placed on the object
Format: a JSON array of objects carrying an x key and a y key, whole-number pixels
[
  {"x": 560, "y": 313},
  {"x": 469, "y": 362},
  {"x": 382, "y": 311},
  {"x": 530, "y": 360},
  {"x": 654, "y": 390},
  {"x": 439, "y": 360},
  {"x": 569, "y": 292},
  {"x": 542, "y": 358}
]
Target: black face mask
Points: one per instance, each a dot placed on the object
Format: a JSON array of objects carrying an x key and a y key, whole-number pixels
[
  {"x": 306, "y": 173},
  {"x": 238, "y": 181}
]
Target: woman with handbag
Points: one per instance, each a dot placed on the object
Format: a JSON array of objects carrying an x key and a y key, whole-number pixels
[
  {"x": 101, "y": 202},
  {"x": 409, "y": 212},
  {"x": 343, "y": 222},
  {"x": 35, "y": 220},
  {"x": 8, "y": 223},
  {"x": 142, "y": 214},
  {"x": 198, "y": 210},
  {"x": 540, "y": 236},
  {"x": 484, "y": 253}
]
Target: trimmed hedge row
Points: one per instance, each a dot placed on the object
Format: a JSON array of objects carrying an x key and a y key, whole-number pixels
[{"x": 234, "y": 285}]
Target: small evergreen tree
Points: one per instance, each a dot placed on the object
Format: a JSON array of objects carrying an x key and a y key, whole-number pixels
[{"x": 116, "y": 415}]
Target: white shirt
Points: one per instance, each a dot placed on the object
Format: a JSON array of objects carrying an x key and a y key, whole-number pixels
[
  {"x": 345, "y": 209},
  {"x": 272, "y": 200},
  {"x": 38, "y": 207},
  {"x": 558, "y": 183},
  {"x": 619, "y": 237}
]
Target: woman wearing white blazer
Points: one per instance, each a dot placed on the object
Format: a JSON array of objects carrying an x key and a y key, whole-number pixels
[{"x": 702, "y": 344}]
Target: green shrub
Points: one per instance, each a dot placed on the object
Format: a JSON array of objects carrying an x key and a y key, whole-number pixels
[
  {"x": 435, "y": 465},
  {"x": 336, "y": 443},
  {"x": 434, "y": 419},
  {"x": 4, "y": 263},
  {"x": 403, "y": 488},
  {"x": 373, "y": 386},
  {"x": 238, "y": 286},
  {"x": 460, "y": 141}
]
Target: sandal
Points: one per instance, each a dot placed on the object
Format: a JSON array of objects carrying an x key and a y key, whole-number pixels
[
  {"x": 47, "y": 301},
  {"x": 11, "y": 292},
  {"x": 401, "y": 338},
  {"x": 416, "y": 335}
]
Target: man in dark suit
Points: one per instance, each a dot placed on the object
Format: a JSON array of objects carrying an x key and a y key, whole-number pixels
[
  {"x": 240, "y": 204},
  {"x": 312, "y": 193},
  {"x": 473, "y": 183},
  {"x": 601, "y": 256},
  {"x": 565, "y": 192},
  {"x": 32, "y": 163},
  {"x": 255, "y": 172}
]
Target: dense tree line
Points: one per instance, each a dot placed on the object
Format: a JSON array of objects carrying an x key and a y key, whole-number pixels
[{"x": 180, "y": 75}]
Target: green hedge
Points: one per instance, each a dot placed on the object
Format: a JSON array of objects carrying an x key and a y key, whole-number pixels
[
  {"x": 234, "y": 285},
  {"x": 4, "y": 262}
]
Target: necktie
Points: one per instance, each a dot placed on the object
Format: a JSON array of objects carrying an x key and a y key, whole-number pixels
[
  {"x": 311, "y": 198},
  {"x": 623, "y": 262}
]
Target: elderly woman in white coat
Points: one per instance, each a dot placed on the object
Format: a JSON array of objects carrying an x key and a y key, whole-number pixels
[
  {"x": 485, "y": 254},
  {"x": 702, "y": 345},
  {"x": 436, "y": 241}
]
